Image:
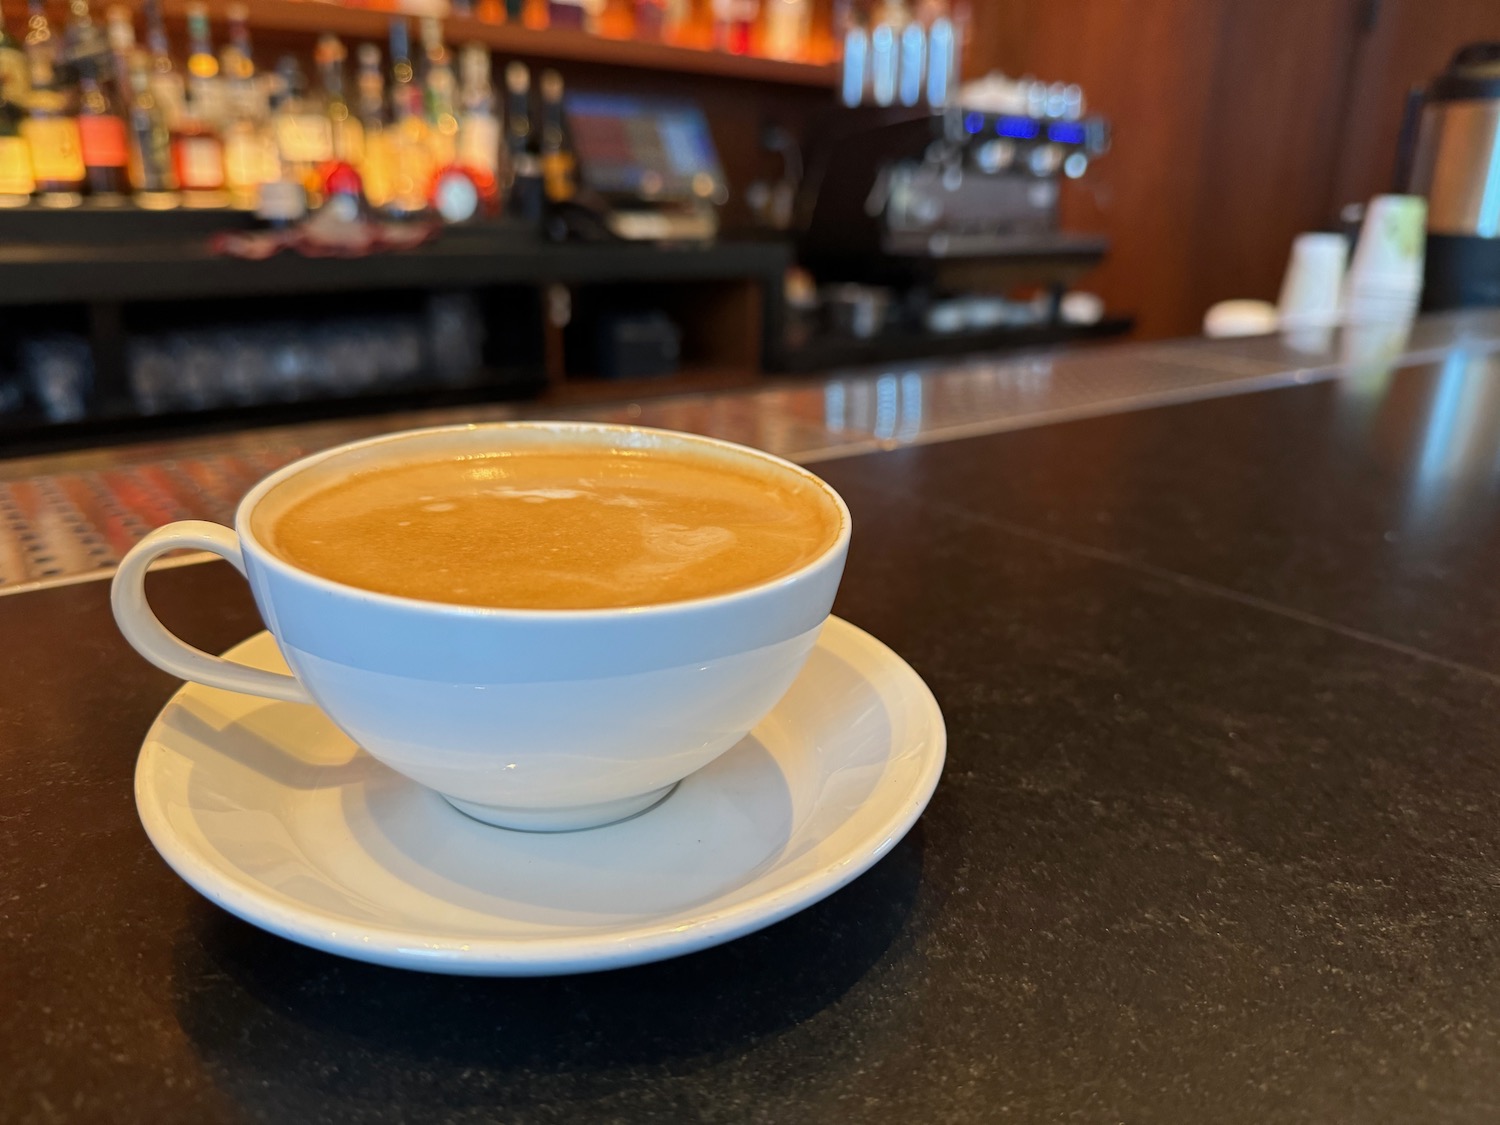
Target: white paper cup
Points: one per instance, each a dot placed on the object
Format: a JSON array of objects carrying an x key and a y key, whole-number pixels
[
  {"x": 1314, "y": 279},
  {"x": 1388, "y": 257}
]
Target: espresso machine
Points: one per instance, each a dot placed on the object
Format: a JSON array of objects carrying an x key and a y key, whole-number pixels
[
  {"x": 1450, "y": 153},
  {"x": 964, "y": 196}
]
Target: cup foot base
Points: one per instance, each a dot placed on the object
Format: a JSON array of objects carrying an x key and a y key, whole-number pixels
[{"x": 572, "y": 819}]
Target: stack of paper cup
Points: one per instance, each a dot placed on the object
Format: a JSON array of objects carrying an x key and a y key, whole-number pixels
[
  {"x": 1314, "y": 280},
  {"x": 1385, "y": 278}
]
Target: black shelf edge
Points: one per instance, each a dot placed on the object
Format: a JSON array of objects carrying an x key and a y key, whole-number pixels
[{"x": 63, "y": 274}]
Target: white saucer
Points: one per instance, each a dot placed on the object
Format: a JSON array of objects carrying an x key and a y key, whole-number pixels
[{"x": 271, "y": 812}]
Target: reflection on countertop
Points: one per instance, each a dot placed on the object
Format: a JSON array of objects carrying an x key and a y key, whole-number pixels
[{"x": 71, "y": 515}]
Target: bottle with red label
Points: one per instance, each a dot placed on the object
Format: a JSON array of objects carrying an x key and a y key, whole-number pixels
[{"x": 103, "y": 139}]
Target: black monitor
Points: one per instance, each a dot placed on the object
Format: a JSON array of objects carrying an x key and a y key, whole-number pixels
[{"x": 646, "y": 148}]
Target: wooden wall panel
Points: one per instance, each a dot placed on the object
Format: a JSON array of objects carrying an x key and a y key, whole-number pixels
[
  {"x": 1226, "y": 116},
  {"x": 1144, "y": 64},
  {"x": 1276, "y": 108}
]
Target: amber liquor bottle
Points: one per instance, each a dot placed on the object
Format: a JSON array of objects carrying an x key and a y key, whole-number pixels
[
  {"x": 50, "y": 129},
  {"x": 16, "y": 182}
]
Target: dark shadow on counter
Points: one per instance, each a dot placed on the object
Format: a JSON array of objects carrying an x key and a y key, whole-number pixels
[{"x": 302, "y": 1035}]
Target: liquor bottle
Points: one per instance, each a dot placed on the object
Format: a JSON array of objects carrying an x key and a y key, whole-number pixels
[
  {"x": 787, "y": 23},
  {"x": 166, "y": 84},
  {"x": 942, "y": 58},
  {"x": 734, "y": 24},
  {"x": 237, "y": 65},
  {"x": 623, "y": 19},
  {"x": 885, "y": 53},
  {"x": 478, "y": 125},
  {"x": 119, "y": 30},
  {"x": 197, "y": 148},
  {"x": 348, "y": 135},
  {"x": 87, "y": 47},
  {"x": 205, "y": 87},
  {"x": 517, "y": 110},
  {"x": 16, "y": 181},
  {"x": 913, "y": 51},
  {"x": 854, "y": 80},
  {"x": 50, "y": 129},
  {"x": 526, "y": 198},
  {"x": 677, "y": 21},
  {"x": 409, "y": 132},
  {"x": 650, "y": 20},
  {"x": 557, "y": 162},
  {"x": 379, "y": 167},
  {"x": 405, "y": 94},
  {"x": 282, "y": 201},
  {"x": 150, "y": 141},
  {"x": 304, "y": 135},
  {"x": 103, "y": 138},
  {"x": 15, "y": 82},
  {"x": 438, "y": 95},
  {"x": 567, "y": 15},
  {"x": 251, "y": 159}
]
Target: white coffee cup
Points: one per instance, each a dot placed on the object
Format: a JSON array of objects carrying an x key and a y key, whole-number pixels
[
  {"x": 1314, "y": 278},
  {"x": 545, "y": 720}
]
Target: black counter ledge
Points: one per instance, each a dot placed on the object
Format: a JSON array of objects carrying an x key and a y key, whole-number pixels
[{"x": 1217, "y": 839}]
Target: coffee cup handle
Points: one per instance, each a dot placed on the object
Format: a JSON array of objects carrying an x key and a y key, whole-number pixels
[{"x": 149, "y": 637}]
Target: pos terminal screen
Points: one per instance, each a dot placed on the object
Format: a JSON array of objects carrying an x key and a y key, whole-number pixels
[{"x": 645, "y": 147}]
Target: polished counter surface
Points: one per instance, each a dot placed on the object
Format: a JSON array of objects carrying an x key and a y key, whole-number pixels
[
  {"x": 1217, "y": 839},
  {"x": 68, "y": 516}
]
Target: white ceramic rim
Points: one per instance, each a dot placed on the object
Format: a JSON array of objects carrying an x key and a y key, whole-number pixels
[
  {"x": 267, "y": 558},
  {"x": 543, "y": 955}
]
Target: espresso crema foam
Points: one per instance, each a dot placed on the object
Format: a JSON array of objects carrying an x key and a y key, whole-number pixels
[{"x": 560, "y": 528}]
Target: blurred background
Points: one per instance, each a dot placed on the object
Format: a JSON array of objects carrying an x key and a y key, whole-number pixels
[{"x": 223, "y": 214}]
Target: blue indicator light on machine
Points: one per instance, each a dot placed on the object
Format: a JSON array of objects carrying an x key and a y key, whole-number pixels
[
  {"x": 1022, "y": 128},
  {"x": 973, "y": 122},
  {"x": 1066, "y": 133}
]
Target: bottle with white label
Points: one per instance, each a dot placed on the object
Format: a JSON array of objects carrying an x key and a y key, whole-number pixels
[
  {"x": 251, "y": 159},
  {"x": 410, "y": 135},
  {"x": 304, "y": 134},
  {"x": 438, "y": 95},
  {"x": 348, "y": 132},
  {"x": 197, "y": 148},
  {"x": 378, "y": 170}
]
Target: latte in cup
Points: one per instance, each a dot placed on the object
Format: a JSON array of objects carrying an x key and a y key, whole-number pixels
[
  {"x": 561, "y": 527},
  {"x": 549, "y": 624}
]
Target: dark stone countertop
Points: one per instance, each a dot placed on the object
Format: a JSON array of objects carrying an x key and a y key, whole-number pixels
[{"x": 1218, "y": 839}]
